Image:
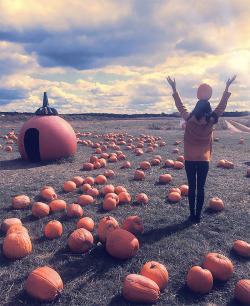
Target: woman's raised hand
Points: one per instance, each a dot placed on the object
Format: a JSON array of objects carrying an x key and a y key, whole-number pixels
[
  {"x": 172, "y": 83},
  {"x": 230, "y": 81}
]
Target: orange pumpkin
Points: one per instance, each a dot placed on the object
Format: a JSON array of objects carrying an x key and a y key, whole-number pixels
[
  {"x": 126, "y": 164},
  {"x": 113, "y": 196},
  {"x": 85, "y": 199},
  {"x": 145, "y": 165},
  {"x": 124, "y": 197},
  {"x": 180, "y": 158},
  {"x": 122, "y": 244},
  {"x": 69, "y": 186},
  {"x": 174, "y": 189},
  {"x": 80, "y": 241},
  {"x": 120, "y": 189},
  {"x": 74, "y": 210},
  {"x": 20, "y": 201},
  {"x": 156, "y": 162},
  {"x": 216, "y": 204},
  {"x": 133, "y": 224},
  {"x": 165, "y": 178},
  {"x": 174, "y": 196},
  {"x": 109, "y": 204},
  {"x": 78, "y": 180},
  {"x": 93, "y": 192},
  {"x": 199, "y": 280},
  {"x": 228, "y": 165},
  {"x": 168, "y": 163},
  {"x": 242, "y": 291},
  {"x": 17, "y": 245},
  {"x": 48, "y": 193},
  {"x": 89, "y": 180},
  {"x": 53, "y": 229},
  {"x": 175, "y": 150},
  {"x": 109, "y": 173},
  {"x": 142, "y": 198},
  {"x": 184, "y": 190},
  {"x": 221, "y": 163},
  {"x": 140, "y": 289},
  {"x": 139, "y": 175},
  {"x": 8, "y": 148},
  {"x": 86, "y": 187},
  {"x": 219, "y": 265},
  {"x": 40, "y": 210},
  {"x": 87, "y": 166},
  {"x": 7, "y": 223},
  {"x": 108, "y": 189},
  {"x": 86, "y": 223},
  {"x": 156, "y": 272},
  {"x": 17, "y": 228},
  {"x": 44, "y": 284},
  {"x": 242, "y": 248},
  {"x": 178, "y": 165},
  {"x": 101, "y": 179},
  {"x": 58, "y": 205},
  {"x": 105, "y": 226}
]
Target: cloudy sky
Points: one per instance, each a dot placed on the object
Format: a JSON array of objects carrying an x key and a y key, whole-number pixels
[{"x": 114, "y": 55}]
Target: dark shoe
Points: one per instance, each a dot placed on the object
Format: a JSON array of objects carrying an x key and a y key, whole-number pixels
[
  {"x": 198, "y": 219},
  {"x": 192, "y": 218}
]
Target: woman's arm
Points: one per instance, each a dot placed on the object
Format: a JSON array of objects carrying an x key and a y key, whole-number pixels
[
  {"x": 223, "y": 102},
  {"x": 181, "y": 108}
]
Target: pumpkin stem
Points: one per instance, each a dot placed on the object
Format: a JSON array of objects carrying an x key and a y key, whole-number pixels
[
  {"x": 45, "y": 109},
  {"x": 152, "y": 266}
]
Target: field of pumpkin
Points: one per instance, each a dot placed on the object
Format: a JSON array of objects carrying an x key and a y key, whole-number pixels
[{"x": 110, "y": 226}]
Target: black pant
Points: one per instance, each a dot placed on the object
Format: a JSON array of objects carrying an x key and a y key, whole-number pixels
[{"x": 196, "y": 171}]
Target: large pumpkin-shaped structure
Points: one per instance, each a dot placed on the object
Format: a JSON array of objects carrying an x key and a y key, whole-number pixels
[{"x": 46, "y": 136}]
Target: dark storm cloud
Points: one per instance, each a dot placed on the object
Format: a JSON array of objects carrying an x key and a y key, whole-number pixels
[{"x": 8, "y": 95}]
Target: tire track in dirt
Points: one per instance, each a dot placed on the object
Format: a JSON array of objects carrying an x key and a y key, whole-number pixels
[{"x": 237, "y": 127}]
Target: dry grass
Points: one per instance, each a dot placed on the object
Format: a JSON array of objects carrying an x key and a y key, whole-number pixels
[{"x": 95, "y": 278}]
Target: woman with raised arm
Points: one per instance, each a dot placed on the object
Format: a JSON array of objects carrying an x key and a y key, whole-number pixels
[{"x": 198, "y": 139}]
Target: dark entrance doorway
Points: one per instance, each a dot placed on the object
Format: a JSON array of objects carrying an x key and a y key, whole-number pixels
[{"x": 31, "y": 144}]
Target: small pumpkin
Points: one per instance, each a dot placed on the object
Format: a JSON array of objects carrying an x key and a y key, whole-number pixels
[
  {"x": 199, "y": 280},
  {"x": 168, "y": 163},
  {"x": 178, "y": 165},
  {"x": 216, "y": 204},
  {"x": 122, "y": 244},
  {"x": 20, "y": 201},
  {"x": 109, "y": 203},
  {"x": 40, "y": 209},
  {"x": 174, "y": 196},
  {"x": 58, "y": 205},
  {"x": 140, "y": 289},
  {"x": 145, "y": 165},
  {"x": 53, "y": 229},
  {"x": 180, "y": 158},
  {"x": 126, "y": 164},
  {"x": 165, "y": 178},
  {"x": 93, "y": 192},
  {"x": 142, "y": 198},
  {"x": 85, "y": 199},
  {"x": 113, "y": 196},
  {"x": 86, "y": 187},
  {"x": 109, "y": 173},
  {"x": 184, "y": 190},
  {"x": 7, "y": 223},
  {"x": 174, "y": 189},
  {"x": 124, "y": 197},
  {"x": 69, "y": 186},
  {"x": 228, "y": 165},
  {"x": 78, "y": 180},
  {"x": 156, "y": 272},
  {"x": 139, "y": 175},
  {"x": 86, "y": 223},
  {"x": 87, "y": 166},
  {"x": 80, "y": 241},
  {"x": 74, "y": 210},
  {"x": 17, "y": 228},
  {"x": 119, "y": 189},
  {"x": 242, "y": 291},
  {"x": 108, "y": 189},
  {"x": 101, "y": 179},
  {"x": 105, "y": 226},
  {"x": 48, "y": 193},
  {"x": 133, "y": 224},
  {"x": 44, "y": 284},
  {"x": 242, "y": 248},
  {"x": 219, "y": 265},
  {"x": 17, "y": 245},
  {"x": 89, "y": 180}
]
